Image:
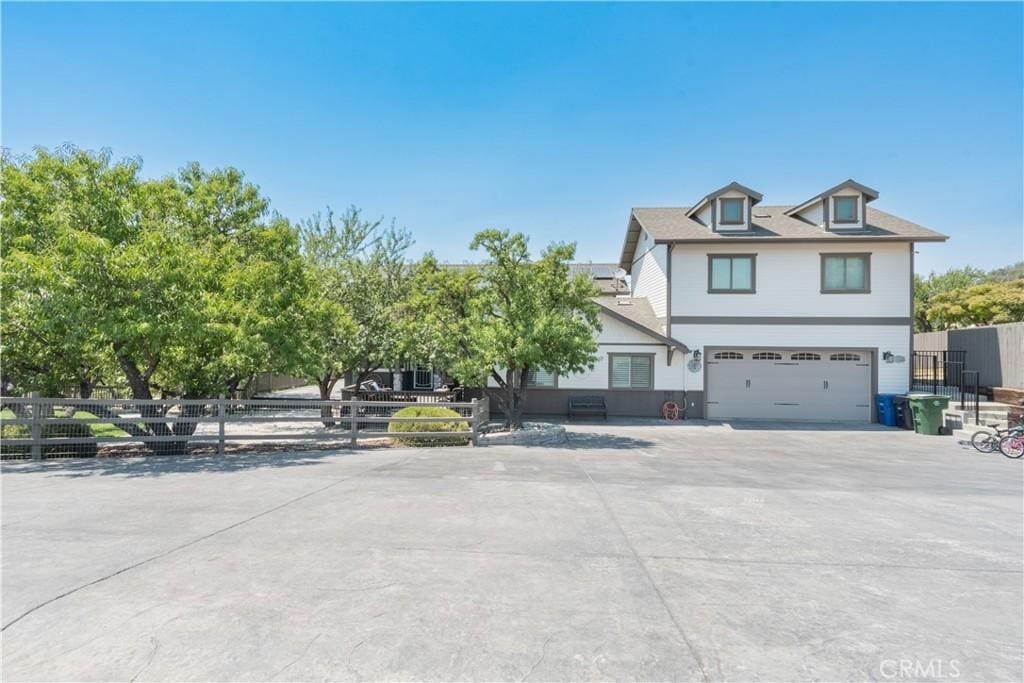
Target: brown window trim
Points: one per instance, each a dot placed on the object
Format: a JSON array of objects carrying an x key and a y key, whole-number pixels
[
  {"x": 741, "y": 200},
  {"x": 652, "y": 356},
  {"x": 753, "y": 274},
  {"x": 867, "y": 273},
  {"x": 856, "y": 210}
]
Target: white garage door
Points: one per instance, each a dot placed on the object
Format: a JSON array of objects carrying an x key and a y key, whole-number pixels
[{"x": 802, "y": 384}]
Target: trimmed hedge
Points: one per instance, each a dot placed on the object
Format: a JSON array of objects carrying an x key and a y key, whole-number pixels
[
  {"x": 456, "y": 425},
  {"x": 88, "y": 449}
]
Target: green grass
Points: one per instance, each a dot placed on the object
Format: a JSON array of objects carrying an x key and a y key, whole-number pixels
[{"x": 101, "y": 430}]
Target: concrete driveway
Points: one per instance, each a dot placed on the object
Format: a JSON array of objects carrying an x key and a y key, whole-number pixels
[{"x": 653, "y": 552}]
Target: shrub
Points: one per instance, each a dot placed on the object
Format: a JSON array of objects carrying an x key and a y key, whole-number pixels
[
  {"x": 52, "y": 431},
  {"x": 70, "y": 431},
  {"x": 456, "y": 425},
  {"x": 14, "y": 432}
]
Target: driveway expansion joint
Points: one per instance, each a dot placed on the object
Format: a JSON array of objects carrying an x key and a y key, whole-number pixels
[{"x": 193, "y": 542}]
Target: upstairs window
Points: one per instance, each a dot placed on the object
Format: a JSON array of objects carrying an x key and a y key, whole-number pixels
[
  {"x": 732, "y": 211},
  {"x": 731, "y": 273},
  {"x": 844, "y": 209},
  {"x": 845, "y": 273},
  {"x": 630, "y": 371},
  {"x": 541, "y": 378}
]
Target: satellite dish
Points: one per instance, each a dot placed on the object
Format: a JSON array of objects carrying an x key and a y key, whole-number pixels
[{"x": 619, "y": 274}]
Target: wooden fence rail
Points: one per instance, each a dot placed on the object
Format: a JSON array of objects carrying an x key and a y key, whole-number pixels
[{"x": 36, "y": 427}]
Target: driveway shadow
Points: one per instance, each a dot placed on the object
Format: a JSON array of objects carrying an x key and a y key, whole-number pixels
[
  {"x": 601, "y": 441},
  {"x": 159, "y": 465}
]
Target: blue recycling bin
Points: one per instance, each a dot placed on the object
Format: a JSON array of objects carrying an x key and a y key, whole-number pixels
[{"x": 886, "y": 409}]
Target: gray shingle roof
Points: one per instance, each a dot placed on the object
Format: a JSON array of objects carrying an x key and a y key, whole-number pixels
[
  {"x": 638, "y": 314},
  {"x": 769, "y": 223}
]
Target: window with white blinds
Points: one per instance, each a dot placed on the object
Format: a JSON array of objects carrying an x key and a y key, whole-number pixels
[
  {"x": 540, "y": 378},
  {"x": 631, "y": 372}
]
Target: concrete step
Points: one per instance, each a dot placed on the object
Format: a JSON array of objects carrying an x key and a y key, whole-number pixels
[{"x": 956, "y": 417}]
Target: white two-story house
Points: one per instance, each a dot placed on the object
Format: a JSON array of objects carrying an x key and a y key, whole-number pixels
[{"x": 754, "y": 311}]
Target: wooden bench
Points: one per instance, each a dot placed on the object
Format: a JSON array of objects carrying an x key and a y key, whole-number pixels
[{"x": 587, "y": 405}]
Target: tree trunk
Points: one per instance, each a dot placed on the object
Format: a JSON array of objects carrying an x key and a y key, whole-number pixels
[
  {"x": 326, "y": 386},
  {"x": 139, "y": 383}
]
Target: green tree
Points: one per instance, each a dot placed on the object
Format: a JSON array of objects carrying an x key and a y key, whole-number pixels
[
  {"x": 504, "y": 318},
  {"x": 936, "y": 283},
  {"x": 989, "y": 303},
  {"x": 1006, "y": 273},
  {"x": 56, "y": 208},
  {"x": 357, "y": 274},
  {"x": 181, "y": 283}
]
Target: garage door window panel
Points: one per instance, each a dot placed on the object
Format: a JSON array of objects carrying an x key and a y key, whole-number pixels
[
  {"x": 630, "y": 371},
  {"x": 845, "y": 273},
  {"x": 732, "y": 273}
]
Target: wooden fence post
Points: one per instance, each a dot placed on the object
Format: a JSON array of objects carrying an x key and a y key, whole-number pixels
[
  {"x": 221, "y": 409},
  {"x": 475, "y": 424},
  {"x": 35, "y": 429},
  {"x": 353, "y": 424}
]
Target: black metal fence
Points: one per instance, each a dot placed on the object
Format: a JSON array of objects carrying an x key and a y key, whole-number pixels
[
  {"x": 945, "y": 373},
  {"x": 938, "y": 372}
]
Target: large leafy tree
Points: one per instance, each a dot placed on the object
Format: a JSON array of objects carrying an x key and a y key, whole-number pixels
[
  {"x": 57, "y": 208},
  {"x": 182, "y": 284},
  {"x": 945, "y": 289},
  {"x": 989, "y": 303},
  {"x": 936, "y": 283},
  {"x": 358, "y": 275},
  {"x": 505, "y": 317}
]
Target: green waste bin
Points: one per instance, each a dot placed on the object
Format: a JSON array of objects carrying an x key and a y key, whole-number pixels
[{"x": 927, "y": 410}]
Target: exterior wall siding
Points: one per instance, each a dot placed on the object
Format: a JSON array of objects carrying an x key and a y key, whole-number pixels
[
  {"x": 892, "y": 377},
  {"x": 617, "y": 337},
  {"x": 788, "y": 282},
  {"x": 648, "y": 275}
]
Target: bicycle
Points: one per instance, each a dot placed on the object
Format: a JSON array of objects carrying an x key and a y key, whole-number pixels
[
  {"x": 1012, "y": 445},
  {"x": 987, "y": 440}
]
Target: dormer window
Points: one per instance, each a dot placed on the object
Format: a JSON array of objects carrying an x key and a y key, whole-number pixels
[
  {"x": 727, "y": 209},
  {"x": 844, "y": 209},
  {"x": 732, "y": 211}
]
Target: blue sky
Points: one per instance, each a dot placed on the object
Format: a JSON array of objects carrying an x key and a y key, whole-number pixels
[{"x": 551, "y": 119}]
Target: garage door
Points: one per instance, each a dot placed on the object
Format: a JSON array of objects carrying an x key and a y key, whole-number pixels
[{"x": 801, "y": 384}]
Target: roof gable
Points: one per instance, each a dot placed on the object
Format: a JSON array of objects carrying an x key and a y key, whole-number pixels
[
  {"x": 755, "y": 196},
  {"x": 870, "y": 195}
]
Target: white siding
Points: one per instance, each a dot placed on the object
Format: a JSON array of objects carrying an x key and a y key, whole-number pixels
[
  {"x": 788, "y": 282},
  {"x": 666, "y": 377},
  {"x": 704, "y": 215},
  {"x": 814, "y": 214},
  {"x": 618, "y": 337},
  {"x": 892, "y": 377},
  {"x": 648, "y": 275}
]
